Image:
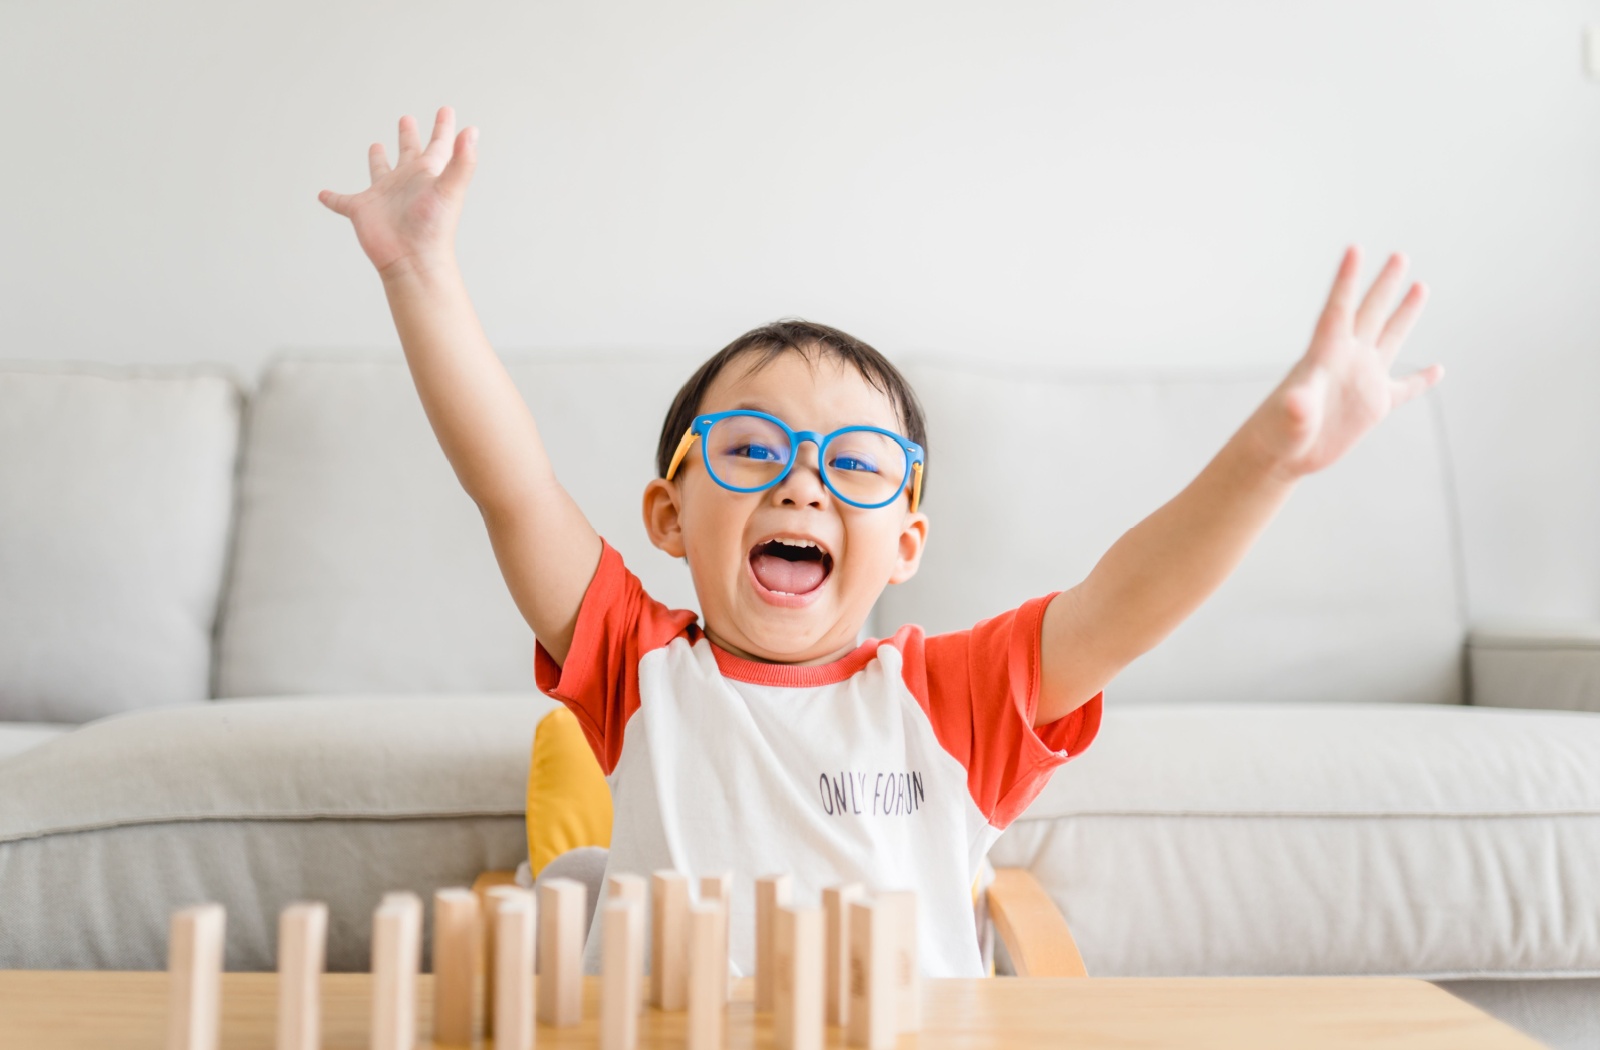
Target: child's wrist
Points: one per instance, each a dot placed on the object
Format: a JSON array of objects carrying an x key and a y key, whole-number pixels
[
  {"x": 1255, "y": 459},
  {"x": 428, "y": 268}
]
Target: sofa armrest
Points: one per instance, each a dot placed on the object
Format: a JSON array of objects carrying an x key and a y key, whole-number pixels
[{"x": 1553, "y": 667}]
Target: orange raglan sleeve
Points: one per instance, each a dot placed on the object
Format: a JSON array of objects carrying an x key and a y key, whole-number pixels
[
  {"x": 980, "y": 688},
  {"x": 618, "y": 623}
]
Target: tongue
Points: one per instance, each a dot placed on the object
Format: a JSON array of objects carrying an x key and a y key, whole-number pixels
[{"x": 792, "y": 577}]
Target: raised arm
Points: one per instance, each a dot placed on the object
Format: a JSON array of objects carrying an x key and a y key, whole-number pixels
[
  {"x": 1160, "y": 571},
  {"x": 406, "y": 223}
]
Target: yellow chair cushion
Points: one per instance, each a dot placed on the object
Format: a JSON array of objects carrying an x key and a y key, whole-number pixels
[{"x": 569, "y": 804}]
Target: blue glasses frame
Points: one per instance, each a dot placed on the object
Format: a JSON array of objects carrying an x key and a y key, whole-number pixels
[{"x": 702, "y": 426}]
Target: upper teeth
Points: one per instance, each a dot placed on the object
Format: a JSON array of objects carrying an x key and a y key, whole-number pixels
[{"x": 794, "y": 543}]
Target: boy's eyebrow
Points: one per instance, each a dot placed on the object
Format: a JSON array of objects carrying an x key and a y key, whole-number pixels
[{"x": 757, "y": 406}]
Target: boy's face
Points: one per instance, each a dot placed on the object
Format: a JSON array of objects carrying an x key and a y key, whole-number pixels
[{"x": 813, "y": 608}]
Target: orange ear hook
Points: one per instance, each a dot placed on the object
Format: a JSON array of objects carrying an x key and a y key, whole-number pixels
[
  {"x": 683, "y": 450},
  {"x": 916, "y": 486}
]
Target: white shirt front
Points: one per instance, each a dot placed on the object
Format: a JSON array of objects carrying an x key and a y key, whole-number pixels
[{"x": 896, "y": 766}]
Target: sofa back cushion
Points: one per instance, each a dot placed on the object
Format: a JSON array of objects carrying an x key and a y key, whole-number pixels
[
  {"x": 1351, "y": 594},
  {"x": 361, "y": 563},
  {"x": 116, "y": 492}
]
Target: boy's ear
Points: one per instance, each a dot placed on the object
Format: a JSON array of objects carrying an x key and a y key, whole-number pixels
[
  {"x": 661, "y": 516},
  {"x": 913, "y": 537}
]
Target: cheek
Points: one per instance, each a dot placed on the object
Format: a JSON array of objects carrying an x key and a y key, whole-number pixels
[
  {"x": 712, "y": 532},
  {"x": 873, "y": 553}
]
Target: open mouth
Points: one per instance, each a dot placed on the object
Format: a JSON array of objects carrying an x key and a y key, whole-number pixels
[{"x": 789, "y": 566}]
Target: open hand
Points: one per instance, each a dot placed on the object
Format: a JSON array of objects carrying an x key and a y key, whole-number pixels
[
  {"x": 409, "y": 213},
  {"x": 1341, "y": 388}
]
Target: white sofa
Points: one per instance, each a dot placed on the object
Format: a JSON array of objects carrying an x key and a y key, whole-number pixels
[{"x": 256, "y": 648}]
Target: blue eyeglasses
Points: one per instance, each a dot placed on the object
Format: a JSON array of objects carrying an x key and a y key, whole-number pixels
[{"x": 748, "y": 451}]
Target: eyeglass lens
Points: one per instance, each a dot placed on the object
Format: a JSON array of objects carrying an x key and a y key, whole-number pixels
[{"x": 862, "y": 466}]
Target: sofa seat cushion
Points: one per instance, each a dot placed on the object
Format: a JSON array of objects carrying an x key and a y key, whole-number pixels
[
  {"x": 255, "y": 803},
  {"x": 1440, "y": 842},
  {"x": 17, "y": 737}
]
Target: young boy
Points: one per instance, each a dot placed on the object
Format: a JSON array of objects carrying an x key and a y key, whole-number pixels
[{"x": 761, "y": 738}]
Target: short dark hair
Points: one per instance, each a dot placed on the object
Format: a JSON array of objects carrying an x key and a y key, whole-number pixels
[{"x": 792, "y": 335}]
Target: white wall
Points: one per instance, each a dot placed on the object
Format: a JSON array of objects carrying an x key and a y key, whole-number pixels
[{"x": 1095, "y": 185}]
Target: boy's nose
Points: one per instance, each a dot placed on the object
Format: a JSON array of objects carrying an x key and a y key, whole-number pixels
[{"x": 803, "y": 486}]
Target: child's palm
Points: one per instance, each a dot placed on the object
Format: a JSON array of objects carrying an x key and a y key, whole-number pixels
[
  {"x": 410, "y": 211},
  {"x": 1341, "y": 388}
]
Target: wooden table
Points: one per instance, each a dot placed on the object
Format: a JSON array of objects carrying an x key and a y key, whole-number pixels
[{"x": 56, "y": 1010}]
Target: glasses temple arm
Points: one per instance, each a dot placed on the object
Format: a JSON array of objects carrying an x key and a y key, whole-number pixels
[{"x": 683, "y": 450}]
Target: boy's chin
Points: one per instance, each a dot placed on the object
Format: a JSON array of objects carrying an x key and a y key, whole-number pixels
[{"x": 795, "y": 636}]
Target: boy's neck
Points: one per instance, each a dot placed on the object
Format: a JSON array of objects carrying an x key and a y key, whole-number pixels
[{"x": 734, "y": 650}]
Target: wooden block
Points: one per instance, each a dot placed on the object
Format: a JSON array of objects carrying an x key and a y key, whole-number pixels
[
  {"x": 456, "y": 950},
  {"x": 634, "y": 888},
  {"x": 396, "y": 958},
  {"x": 836, "y": 948},
  {"x": 719, "y": 889},
  {"x": 797, "y": 1009},
  {"x": 908, "y": 975},
  {"x": 874, "y": 990},
  {"x": 708, "y": 975},
  {"x": 194, "y": 968},
  {"x": 514, "y": 912},
  {"x": 629, "y": 887},
  {"x": 302, "y": 956},
  {"x": 771, "y": 891},
  {"x": 492, "y": 899},
  {"x": 562, "y": 903},
  {"x": 622, "y": 971},
  {"x": 669, "y": 940}
]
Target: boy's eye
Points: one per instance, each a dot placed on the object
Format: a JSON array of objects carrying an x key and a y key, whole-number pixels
[
  {"x": 849, "y": 462},
  {"x": 758, "y": 452}
]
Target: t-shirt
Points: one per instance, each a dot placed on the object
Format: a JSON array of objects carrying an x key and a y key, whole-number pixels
[{"x": 896, "y": 766}]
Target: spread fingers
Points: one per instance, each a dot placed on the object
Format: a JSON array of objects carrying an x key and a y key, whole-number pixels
[
  {"x": 1380, "y": 298},
  {"x": 1399, "y": 324},
  {"x": 377, "y": 161},
  {"x": 444, "y": 128},
  {"x": 335, "y": 202},
  {"x": 410, "y": 141},
  {"x": 1407, "y": 387}
]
